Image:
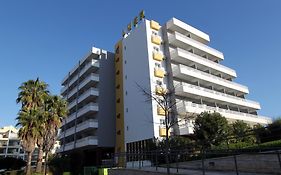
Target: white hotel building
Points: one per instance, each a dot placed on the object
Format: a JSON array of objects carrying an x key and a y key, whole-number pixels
[
  {"x": 175, "y": 56},
  {"x": 108, "y": 109}
]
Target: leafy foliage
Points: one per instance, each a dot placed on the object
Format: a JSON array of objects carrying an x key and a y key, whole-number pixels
[
  {"x": 242, "y": 132},
  {"x": 39, "y": 119},
  {"x": 210, "y": 129},
  {"x": 10, "y": 163}
]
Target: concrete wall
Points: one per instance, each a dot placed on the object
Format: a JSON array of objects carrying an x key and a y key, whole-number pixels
[
  {"x": 137, "y": 111},
  {"x": 133, "y": 172},
  {"x": 106, "y": 101}
]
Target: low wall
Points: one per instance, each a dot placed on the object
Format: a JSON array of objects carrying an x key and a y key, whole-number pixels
[{"x": 133, "y": 172}]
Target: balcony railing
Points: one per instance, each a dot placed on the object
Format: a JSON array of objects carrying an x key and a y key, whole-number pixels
[
  {"x": 219, "y": 95},
  {"x": 181, "y": 69},
  {"x": 82, "y": 111},
  {"x": 185, "y": 106},
  {"x": 178, "y": 52},
  {"x": 91, "y": 77},
  {"x": 87, "y": 141},
  {"x": 89, "y": 92},
  {"x": 93, "y": 63},
  {"x": 181, "y": 40}
]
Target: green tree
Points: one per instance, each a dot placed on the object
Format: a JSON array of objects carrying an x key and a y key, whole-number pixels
[
  {"x": 275, "y": 130},
  {"x": 210, "y": 129},
  {"x": 242, "y": 132},
  {"x": 31, "y": 97},
  {"x": 56, "y": 111},
  {"x": 28, "y": 133}
]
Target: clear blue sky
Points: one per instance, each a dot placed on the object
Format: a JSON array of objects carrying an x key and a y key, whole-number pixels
[{"x": 46, "y": 38}]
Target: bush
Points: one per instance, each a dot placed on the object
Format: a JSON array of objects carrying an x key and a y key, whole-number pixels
[
  {"x": 11, "y": 163},
  {"x": 58, "y": 165}
]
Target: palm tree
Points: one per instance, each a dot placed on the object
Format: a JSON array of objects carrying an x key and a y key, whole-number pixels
[
  {"x": 56, "y": 112},
  {"x": 28, "y": 133},
  {"x": 31, "y": 93},
  {"x": 31, "y": 96}
]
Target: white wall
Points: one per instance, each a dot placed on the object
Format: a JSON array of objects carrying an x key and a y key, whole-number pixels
[{"x": 138, "y": 121}]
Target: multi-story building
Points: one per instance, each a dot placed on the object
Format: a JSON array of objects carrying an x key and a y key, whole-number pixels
[
  {"x": 175, "y": 56},
  {"x": 89, "y": 129},
  {"x": 10, "y": 143},
  {"x": 104, "y": 89}
]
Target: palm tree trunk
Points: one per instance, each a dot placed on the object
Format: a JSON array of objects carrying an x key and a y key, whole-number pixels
[
  {"x": 28, "y": 164},
  {"x": 39, "y": 160}
]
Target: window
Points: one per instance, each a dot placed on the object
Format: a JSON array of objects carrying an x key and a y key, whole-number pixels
[
  {"x": 118, "y": 132},
  {"x": 118, "y": 100},
  {"x": 156, "y": 48},
  {"x": 126, "y": 93},
  {"x": 117, "y": 59},
  {"x": 127, "y": 109},
  {"x": 162, "y": 123},
  {"x": 118, "y": 72},
  {"x": 118, "y": 86},
  {"x": 126, "y": 77},
  {"x": 117, "y": 50},
  {"x": 157, "y": 65},
  {"x": 125, "y": 62},
  {"x": 118, "y": 115},
  {"x": 158, "y": 82}
]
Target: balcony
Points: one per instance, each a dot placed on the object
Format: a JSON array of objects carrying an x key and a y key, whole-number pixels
[
  {"x": 92, "y": 66},
  {"x": 89, "y": 94},
  {"x": 185, "y": 130},
  {"x": 156, "y": 39},
  {"x": 188, "y": 73},
  {"x": 184, "y": 42},
  {"x": 159, "y": 73},
  {"x": 85, "y": 125},
  {"x": 158, "y": 56},
  {"x": 68, "y": 146},
  {"x": 189, "y": 90},
  {"x": 160, "y": 90},
  {"x": 160, "y": 111},
  {"x": 184, "y": 107},
  {"x": 162, "y": 132},
  {"x": 181, "y": 27},
  {"x": 87, "y": 109},
  {"x": 93, "y": 54},
  {"x": 91, "y": 123},
  {"x": 154, "y": 25},
  {"x": 87, "y": 141},
  {"x": 88, "y": 82},
  {"x": 184, "y": 57}
]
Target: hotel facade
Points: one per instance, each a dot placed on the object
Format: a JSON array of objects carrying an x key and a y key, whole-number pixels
[
  {"x": 89, "y": 130},
  {"x": 175, "y": 57}
]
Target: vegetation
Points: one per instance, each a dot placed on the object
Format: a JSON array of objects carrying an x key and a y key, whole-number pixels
[
  {"x": 210, "y": 129},
  {"x": 39, "y": 119},
  {"x": 10, "y": 163},
  {"x": 163, "y": 99}
]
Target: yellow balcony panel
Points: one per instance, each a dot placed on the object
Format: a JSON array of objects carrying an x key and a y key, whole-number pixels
[
  {"x": 162, "y": 132},
  {"x": 154, "y": 25},
  {"x": 160, "y": 90},
  {"x": 156, "y": 39},
  {"x": 160, "y": 111},
  {"x": 158, "y": 56},
  {"x": 159, "y": 73}
]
